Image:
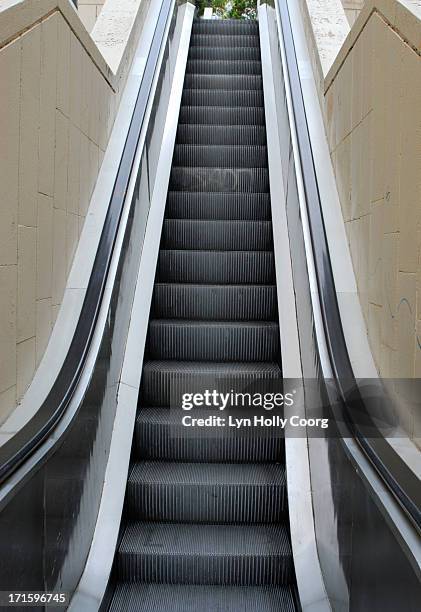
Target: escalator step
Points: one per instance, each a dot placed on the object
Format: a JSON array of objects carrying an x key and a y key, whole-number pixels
[
  {"x": 217, "y": 235},
  {"x": 218, "y": 156},
  {"x": 222, "y": 97},
  {"x": 205, "y": 554},
  {"x": 160, "y": 435},
  {"x": 206, "y": 524},
  {"x": 225, "y": 53},
  {"x": 224, "y": 40},
  {"x": 248, "y": 180},
  {"x": 160, "y": 377},
  {"x": 206, "y": 492},
  {"x": 131, "y": 597},
  {"x": 213, "y": 267},
  {"x": 221, "y": 134},
  {"x": 229, "y": 27},
  {"x": 213, "y": 340},
  {"x": 232, "y": 206},
  {"x": 222, "y": 115},
  {"x": 218, "y": 302},
  {"x": 222, "y": 66},
  {"x": 223, "y": 81}
]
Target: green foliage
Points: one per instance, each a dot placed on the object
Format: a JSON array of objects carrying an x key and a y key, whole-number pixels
[{"x": 230, "y": 9}]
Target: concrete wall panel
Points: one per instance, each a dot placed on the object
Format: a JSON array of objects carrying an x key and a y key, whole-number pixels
[{"x": 58, "y": 101}]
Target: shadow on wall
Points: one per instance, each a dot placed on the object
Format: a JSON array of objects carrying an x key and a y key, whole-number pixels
[{"x": 231, "y": 9}]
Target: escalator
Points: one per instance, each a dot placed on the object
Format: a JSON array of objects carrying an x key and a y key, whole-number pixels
[
  {"x": 206, "y": 521},
  {"x": 210, "y": 269}
]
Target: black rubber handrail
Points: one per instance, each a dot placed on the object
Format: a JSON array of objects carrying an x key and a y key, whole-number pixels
[
  {"x": 14, "y": 452},
  {"x": 400, "y": 479}
]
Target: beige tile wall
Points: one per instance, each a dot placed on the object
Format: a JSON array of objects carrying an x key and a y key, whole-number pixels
[
  {"x": 57, "y": 110},
  {"x": 373, "y": 112}
]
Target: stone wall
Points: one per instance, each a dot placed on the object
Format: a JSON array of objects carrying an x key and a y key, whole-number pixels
[
  {"x": 58, "y": 101},
  {"x": 326, "y": 28},
  {"x": 89, "y": 11}
]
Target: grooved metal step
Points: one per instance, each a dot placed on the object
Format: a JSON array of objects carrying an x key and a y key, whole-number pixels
[
  {"x": 232, "y": 206},
  {"x": 206, "y": 492},
  {"x": 217, "y": 235},
  {"x": 160, "y": 435},
  {"x": 213, "y": 340},
  {"x": 229, "y": 27},
  {"x": 222, "y": 66},
  {"x": 213, "y": 267},
  {"x": 222, "y": 115},
  {"x": 224, "y": 40},
  {"x": 225, "y": 53},
  {"x": 221, "y": 134},
  {"x": 222, "y": 97},
  {"x": 249, "y": 180},
  {"x": 220, "y": 156},
  {"x": 217, "y": 302},
  {"x": 223, "y": 81},
  {"x": 205, "y": 554},
  {"x": 158, "y": 376},
  {"x": 191, "y": 598}
]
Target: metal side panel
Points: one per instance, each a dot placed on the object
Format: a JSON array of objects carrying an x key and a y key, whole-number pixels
[
  {"x": 92, "y": 586},
  {"x": 310, "y": 582}
]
